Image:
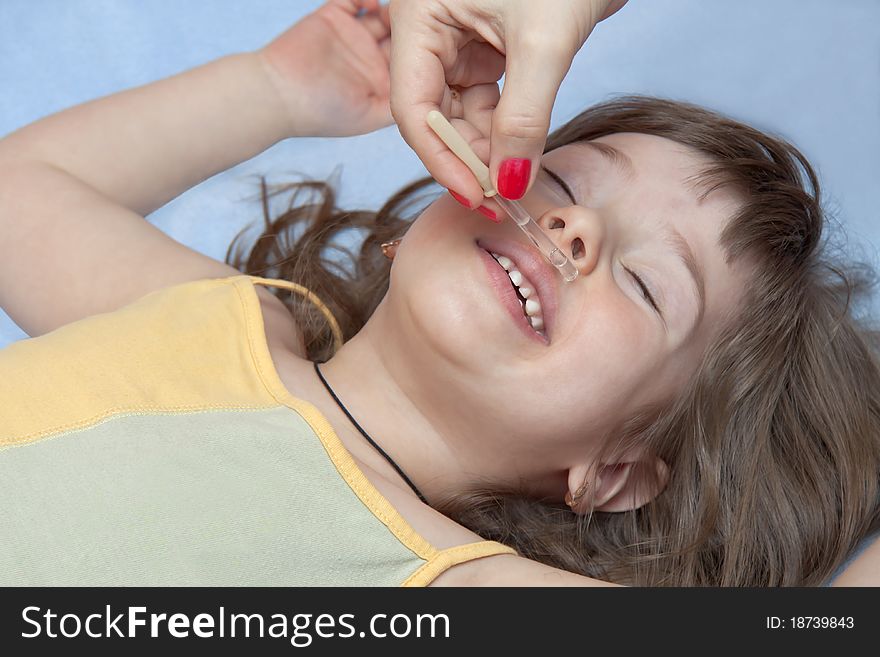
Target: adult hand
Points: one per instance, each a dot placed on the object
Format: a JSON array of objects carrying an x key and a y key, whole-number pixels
[
  {"x": 449, "y": 55},
  {"x": 331, "y": 69}
]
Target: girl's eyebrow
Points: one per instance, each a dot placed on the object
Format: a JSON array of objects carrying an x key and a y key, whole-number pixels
[
  {"x": 685, "y": 253},
  {"x": 617, "y": 157}
]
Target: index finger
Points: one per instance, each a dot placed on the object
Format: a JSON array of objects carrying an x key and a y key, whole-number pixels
[{"x": 418, "y": 84}]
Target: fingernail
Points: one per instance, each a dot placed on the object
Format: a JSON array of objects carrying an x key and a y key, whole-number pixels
[
  {"x": 486, "y": 212},
  {"x": 461, "y": 199},
  {"x": 513, "y": 177}
]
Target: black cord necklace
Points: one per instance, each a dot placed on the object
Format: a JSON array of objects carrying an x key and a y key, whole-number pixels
[{"x": 367, "y": 436}]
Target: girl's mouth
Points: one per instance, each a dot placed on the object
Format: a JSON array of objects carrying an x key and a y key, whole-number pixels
[
  {"x": 526, "y": 293},
  {"x": 517, "y": 295}
]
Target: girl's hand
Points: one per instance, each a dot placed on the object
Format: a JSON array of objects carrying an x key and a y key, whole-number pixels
[{"x": 331, "y": 69}]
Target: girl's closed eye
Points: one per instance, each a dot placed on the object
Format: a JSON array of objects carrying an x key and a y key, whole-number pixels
[{"x": 644, "y": 290}]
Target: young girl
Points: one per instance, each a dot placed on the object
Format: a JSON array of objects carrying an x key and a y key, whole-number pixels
[{"x": 698, "y": 407}]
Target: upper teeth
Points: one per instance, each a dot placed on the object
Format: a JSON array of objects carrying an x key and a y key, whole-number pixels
[{"x": 532, "y": 306}]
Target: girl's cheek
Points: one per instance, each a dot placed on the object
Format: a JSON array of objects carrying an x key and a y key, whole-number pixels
[{"x": 611, "y": 323}]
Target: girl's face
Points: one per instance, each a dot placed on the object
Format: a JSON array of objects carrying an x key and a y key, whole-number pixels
[{"x": 630, "y": 330}]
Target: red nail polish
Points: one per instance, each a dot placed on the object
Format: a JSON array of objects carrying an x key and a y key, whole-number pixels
[
  {"x": 461, "y": 199},
  {"x": 486, "y": 212},
  {"x": 513, "y": 177}
]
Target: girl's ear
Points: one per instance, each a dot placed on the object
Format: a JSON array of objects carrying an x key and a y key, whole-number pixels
[
  {"x": 628, "y": 486},
  {"x": 618, "y": 486}
]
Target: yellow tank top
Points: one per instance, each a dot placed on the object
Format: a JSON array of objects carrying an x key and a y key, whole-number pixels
[{"x": 156, "y": 445}]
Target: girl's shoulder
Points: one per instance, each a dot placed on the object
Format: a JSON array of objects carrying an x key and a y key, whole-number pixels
[
  {"x": 864, "y": 569},
  {"x": 282, "y": 331},
  {"x": 511, "y": 570}
]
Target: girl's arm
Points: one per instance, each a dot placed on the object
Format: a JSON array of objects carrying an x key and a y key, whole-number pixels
[
  {"x": 140, "y": 148},
  {"x": 75, "y": 186}
]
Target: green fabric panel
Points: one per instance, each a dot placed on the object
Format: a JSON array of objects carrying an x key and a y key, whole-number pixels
[{"x": 214, "y": 498}]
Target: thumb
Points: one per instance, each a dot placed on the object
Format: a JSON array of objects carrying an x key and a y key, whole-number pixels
[{"x": 522, "y": 118}]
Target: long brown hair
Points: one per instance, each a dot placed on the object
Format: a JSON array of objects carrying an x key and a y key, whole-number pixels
[{"x": 773, "y": 445}]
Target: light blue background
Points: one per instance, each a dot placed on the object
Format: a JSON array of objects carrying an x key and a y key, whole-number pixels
[{"x": 808, "y": 70}]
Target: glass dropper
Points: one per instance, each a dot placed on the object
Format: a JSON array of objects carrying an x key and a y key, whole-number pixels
[{"x": 457, "y": 144}]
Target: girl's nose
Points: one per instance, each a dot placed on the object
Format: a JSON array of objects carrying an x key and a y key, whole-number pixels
[{"x": 578, "y": 232}]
